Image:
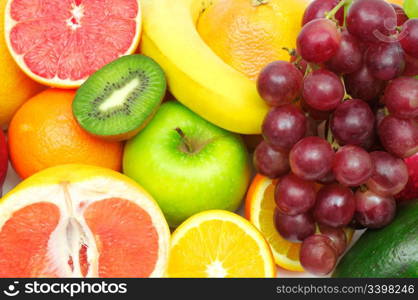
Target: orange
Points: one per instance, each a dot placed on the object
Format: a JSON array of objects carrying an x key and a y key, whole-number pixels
[
  {"x": 259, "y": 209},
  {"x": 44, "y": 133},
  {"x": 218, "y": 243},
  {"x": 81, "y": 221},
  {"x": 15, "y": 86},
  {"x": 249, "y": 34}
]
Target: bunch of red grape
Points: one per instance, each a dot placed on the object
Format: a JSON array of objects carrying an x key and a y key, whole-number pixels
[{"x": 344, "y": 114}]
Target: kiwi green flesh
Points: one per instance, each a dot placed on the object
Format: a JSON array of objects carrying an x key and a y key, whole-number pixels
[{"x": 121, "y": 96}]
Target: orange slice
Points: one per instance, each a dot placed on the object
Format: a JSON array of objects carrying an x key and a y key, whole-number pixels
[
  {"x": 218, "y": 243},
  {"x": 259, "y": 209}
]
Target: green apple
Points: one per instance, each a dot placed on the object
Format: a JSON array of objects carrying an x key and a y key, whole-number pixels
[{"x": 187, "y": 164}]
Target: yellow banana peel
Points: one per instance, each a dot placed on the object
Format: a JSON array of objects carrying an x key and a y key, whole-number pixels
[{"x": 196, "y": 76}]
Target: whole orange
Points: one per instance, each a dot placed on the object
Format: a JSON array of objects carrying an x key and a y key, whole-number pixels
[
  {"x": 43, "y": 133},
  {"x": 249, "y": 34}
]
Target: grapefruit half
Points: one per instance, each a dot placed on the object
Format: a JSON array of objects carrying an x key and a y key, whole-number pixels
[
  {"x": 61, "y": 42},
  {"x": 81, "y": 221}
]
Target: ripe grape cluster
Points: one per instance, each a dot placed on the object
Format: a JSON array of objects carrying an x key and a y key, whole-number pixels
[{"x": 344, "y": 115}]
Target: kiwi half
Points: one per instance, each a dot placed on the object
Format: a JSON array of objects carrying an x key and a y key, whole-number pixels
[{"x": 117, "y": 101}]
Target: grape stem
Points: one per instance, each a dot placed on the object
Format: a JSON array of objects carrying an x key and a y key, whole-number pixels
[
  {"x": 346, "y": 7},
  {"x": 308, "y": 70},
  {"x": 347, "y": 96},
  {"x": 332, "y": 13},
  {"x": 363, "y": 188},
  {"x": 292, "y": 52},
  {"x": 331, "y": 140}
]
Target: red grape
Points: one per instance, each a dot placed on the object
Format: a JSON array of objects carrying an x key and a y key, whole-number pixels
[
  {"x": 349, "y": 57},
  {"x": 334, "y": 206},
  {"x": 279, "y": 83},
  {"x": 294, "y": 195},
  {"x": 312, "y": 129},
  {"x": 337, "y": 236},
  {"x": 385, "y": 60},
  {"x": 317, "y": 255},
  {"x": 411, "y": 66},
  {"x": 409, "y": 40},
  {"x": 362, "y": 85},
  {"x": 318, "y": 41},
  {"x": 294, "y": 228},
  {"x": 271, "y": 162},
  {"x": 323, "y": 90},
  {"x": 315, "y": 114},
  {"x": 353, "y": 123},
  {"x": 401, "y": 16},
  {"x": 401, "y": 97},
  {"x": 390, "y": 174},
  {"x": 319, "y": 8},
  {"x": 373, "y": 210},
  {"x": 352, "y": 165},
  {"x": 380, "y": 115},
  {"x": 371, "y": 20},
  {"x": 311, "y": 158},
  {"x": 410, "y": 192},
  {"x": 284, "y": 126},
  {"x": 328, "y": 179},
  {"x": 399, "y": 136}
]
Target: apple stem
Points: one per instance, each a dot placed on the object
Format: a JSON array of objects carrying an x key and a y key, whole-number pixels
[{"x": 185, "y": 140}]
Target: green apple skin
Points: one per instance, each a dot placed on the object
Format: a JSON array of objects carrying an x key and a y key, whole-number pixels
[{"x": 215, "y": 176}]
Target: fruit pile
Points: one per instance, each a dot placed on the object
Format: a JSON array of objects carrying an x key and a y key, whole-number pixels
[
  {"x": 343, "y": 117},
  {"x": 126, "y": 119},
  {"x": 73, "y": 212}
]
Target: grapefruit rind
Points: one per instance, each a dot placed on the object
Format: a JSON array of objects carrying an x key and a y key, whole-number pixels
[
  {"x": 91, "y": 184},
  {"x": 226, "y": 216},
  {"x": 57, "y": 82}
]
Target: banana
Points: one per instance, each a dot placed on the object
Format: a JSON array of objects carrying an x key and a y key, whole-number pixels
[{"x": 197, "y": 77}]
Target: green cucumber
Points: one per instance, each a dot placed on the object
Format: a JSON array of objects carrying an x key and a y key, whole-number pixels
[{"x": 388, "y": 252}]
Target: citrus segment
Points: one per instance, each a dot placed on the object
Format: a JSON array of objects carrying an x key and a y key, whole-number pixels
[
  {"x": 81, "y": 221},
  {"x": 260, "y": 206},
  {"x": 219, "y": 244},
  {"x": 62, "y": 42},
  {"x": 259, "y": 209},
  {"x": 29, "y": 228},
  {"x": 125, "y": 237}
]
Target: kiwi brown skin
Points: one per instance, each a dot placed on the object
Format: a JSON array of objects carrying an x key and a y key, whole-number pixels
[{"x": 134, "y": 110}]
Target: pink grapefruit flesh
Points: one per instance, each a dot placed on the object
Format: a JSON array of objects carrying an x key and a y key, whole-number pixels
[
  {"x": 24, "y": 241},
  {"x": 124, "y": 236},
  {"x": 62, "y": 42}
]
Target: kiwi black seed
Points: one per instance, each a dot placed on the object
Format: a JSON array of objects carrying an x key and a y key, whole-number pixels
[{"x": 117, "y": 100}]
